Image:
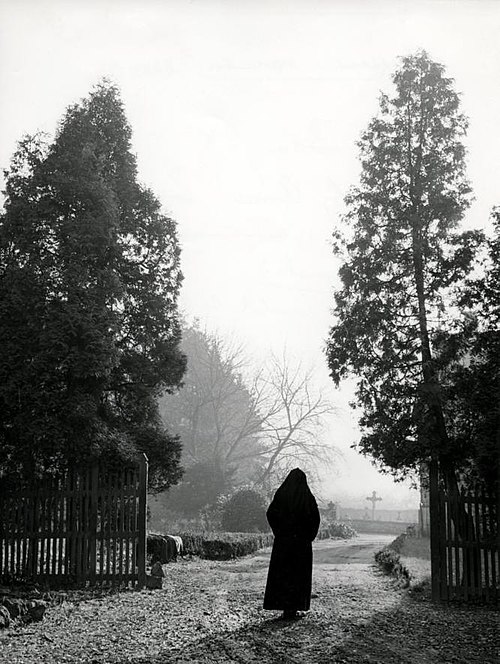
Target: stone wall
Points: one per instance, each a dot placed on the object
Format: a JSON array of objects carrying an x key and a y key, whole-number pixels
[{"x": 380, "y": 527}]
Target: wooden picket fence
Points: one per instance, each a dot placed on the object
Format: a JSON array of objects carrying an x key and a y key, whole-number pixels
[
  {"x": 467, "y": 567},
  {"x": 85, "y": 527}
]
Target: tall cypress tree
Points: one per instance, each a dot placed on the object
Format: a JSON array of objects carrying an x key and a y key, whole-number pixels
[
  {"x": 403, "y": 256},
  {"x": 89, "y": 281}
]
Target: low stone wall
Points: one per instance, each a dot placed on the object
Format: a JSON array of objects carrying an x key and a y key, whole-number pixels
[{"x": 380, "y": 527}]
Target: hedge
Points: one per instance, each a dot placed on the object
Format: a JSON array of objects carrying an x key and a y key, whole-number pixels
[
  {"x": 224, "y": 546},
  {"x": 227, "y": 546}
]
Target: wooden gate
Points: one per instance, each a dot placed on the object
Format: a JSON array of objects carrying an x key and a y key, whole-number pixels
[
  {"x": 465, "y": 546},
  {"x": 86, "y": 527}
]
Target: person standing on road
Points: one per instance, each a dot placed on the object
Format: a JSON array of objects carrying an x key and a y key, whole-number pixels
[{"x": 294, "y": 519}]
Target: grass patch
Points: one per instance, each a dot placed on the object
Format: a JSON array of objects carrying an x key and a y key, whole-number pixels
[
  {"x": 416, "y": 547},
  {"x": 416, "y": 557},
  {"x": 408, "y": 559}
]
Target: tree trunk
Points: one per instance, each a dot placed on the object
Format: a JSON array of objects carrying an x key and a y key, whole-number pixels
[{"x": 464, "y": 525}]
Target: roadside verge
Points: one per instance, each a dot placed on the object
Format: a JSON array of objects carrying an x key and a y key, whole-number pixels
[{"x": 408, "y": 560}]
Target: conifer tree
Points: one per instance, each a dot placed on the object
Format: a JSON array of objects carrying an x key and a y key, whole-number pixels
[
  {"x": 403, "y": 257},
  {"x": 89, "y": 280}
]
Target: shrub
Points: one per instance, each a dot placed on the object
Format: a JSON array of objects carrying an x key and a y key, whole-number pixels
[
  {"x": 245, "y": 512},
  {"x": 338, "y": 530},
  {"x": 389, "y": 561}
]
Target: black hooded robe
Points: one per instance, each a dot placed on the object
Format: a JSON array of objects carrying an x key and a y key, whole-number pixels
[{"x": 294, "y": 519}]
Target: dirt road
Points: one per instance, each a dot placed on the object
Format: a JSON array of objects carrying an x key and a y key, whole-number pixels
[
  {"x": 350, "y": 552},
  {"x": 211, "y": 612}
]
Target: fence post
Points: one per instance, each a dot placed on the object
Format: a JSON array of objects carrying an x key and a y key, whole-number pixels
[
  {"x": 435, "y": 524},
  {"x": 141, "y": 522}
]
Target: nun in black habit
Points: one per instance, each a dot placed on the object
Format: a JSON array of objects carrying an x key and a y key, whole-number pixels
[{"x": 294, "y": 519}]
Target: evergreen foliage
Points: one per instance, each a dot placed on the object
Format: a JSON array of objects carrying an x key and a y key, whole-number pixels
[
  {"x": 89, "y": 279},
  {"x": 469, "y": 362},
  {"x": 245, "y": 512},
  {"x": 403, "y": 259}
]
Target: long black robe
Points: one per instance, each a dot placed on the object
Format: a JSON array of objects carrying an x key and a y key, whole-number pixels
[{"x": 294, "y": 519}]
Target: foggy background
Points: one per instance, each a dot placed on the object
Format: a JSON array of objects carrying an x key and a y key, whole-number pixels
[{"x": 245, "y": 117}]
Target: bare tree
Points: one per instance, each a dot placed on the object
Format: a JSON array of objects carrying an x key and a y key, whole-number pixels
[
  {"x": 292, "y": 415},
  {"x": 249, "y": 427}
]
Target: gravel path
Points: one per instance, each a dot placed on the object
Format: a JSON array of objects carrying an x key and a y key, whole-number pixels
[{"x": 210, "y": 612}]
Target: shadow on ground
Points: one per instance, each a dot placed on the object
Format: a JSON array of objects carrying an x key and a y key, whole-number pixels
[{"x": 412, "y": 633}]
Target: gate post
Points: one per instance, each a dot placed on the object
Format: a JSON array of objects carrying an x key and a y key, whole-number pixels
[
  {"x": 435, "y": 524},
  {"x": 141, "y": 522}
]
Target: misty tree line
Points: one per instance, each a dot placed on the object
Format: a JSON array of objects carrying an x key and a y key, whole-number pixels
[
  {"x": 96, "y": 363},
  {"x": 240, "y": 427}
]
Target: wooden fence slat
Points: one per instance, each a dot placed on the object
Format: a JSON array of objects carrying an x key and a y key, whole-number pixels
[
  {"x": 451, "y": 534},
  {"x": 485, "y": 535},
  {"x": 17, "y": 547},
  {"x": 84, "y": 527},
  {"x": 53, "y": 528},
  {"x": 141, "y": 544},
  {"x": 25, "y": 536},
  {"x": 2, "y": 534},
  {"x": 477, "y": 549},
  {"x": 62, "y": 528},
  {"x": 134, "y": 522},
  {"x": 86, "y": 533},
  {"x": 465, "y": 581},
  {"x": 38, "y": 532},
  {"x": 114, "y": 522},
  {"x": 94, "y": 492},
  {"x": 494, "y": 532},
  {"x": 126, "y": 516},
  {"x": 71, "y": 538},
  {"x": 465, "y": 548},
  {"x": 456, "y": 545},
  {"x": 121, "y": 523},
  {"x": 443, "y": 577},
  {"x": 101, "y": 529},
  {"x": 8, "y": 539},
  {"x": 46, "y": 529},
  {"x": 472, "y": 548},
  {"x": 109, "y": 511}
]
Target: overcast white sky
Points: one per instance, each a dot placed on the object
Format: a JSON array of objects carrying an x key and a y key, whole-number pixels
[{"x": 245, "y": 116}]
